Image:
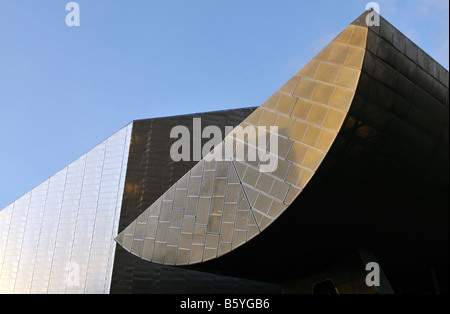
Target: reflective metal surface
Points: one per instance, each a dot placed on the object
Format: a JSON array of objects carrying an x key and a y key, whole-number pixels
[
  {"x": 235, "y": 200},
  {"x": 58, "y": 237}
]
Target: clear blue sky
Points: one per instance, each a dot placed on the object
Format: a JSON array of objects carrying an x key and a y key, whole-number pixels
[{"x": 64, "y": 90}]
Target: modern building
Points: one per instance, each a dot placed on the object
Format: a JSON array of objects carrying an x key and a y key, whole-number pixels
[{"x": 361, "y": 176}]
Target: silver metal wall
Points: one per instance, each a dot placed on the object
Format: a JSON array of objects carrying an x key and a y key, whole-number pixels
[{"x": 58, "y": 238}]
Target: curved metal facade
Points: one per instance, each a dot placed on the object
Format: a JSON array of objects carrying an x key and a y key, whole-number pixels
[
  {"x": 378, "y": 179},
  {"x": 219, "y": 205}
]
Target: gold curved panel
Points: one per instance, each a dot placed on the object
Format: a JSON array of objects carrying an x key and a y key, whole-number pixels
[{"x": 220, "y": 205}]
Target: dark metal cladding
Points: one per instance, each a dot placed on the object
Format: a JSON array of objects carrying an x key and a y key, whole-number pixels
[
  {"x": 150, "y": 173},
  {"x": 383, "y": 186}
]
